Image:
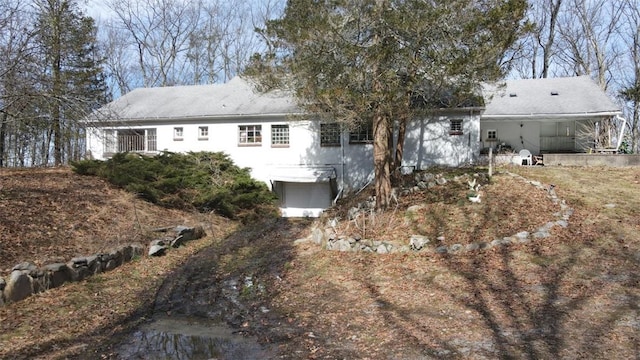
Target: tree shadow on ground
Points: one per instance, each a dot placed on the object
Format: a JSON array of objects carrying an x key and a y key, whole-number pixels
[{"x": 569, "y": 296}]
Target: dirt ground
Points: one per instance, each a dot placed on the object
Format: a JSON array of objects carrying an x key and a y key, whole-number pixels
[{"x": 573, "y": 295}]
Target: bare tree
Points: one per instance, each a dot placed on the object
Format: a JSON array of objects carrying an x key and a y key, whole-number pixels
[
  {"x": 589, "y": 33},
  {"x": 536, "y": 51},
  {"x": 171, "y": 42},
  {"x": 631, "y": 82}
]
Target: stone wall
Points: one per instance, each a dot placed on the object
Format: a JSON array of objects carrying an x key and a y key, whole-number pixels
[
  {"x": 27, "y": 279},
  {"x": 327, "y": 237}
]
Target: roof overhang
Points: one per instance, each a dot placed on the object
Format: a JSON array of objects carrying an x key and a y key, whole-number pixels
[
  {"x": 187, "y": 119},
  {"x": 542, "y": 117},
  {"x": 303, "y": 174}
]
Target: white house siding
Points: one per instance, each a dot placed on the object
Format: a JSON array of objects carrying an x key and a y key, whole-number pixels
[
  {"x": 517, "y": 134},
  {"x": 428, "y": 142}
]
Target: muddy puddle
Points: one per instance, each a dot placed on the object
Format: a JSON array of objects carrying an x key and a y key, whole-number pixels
[{"x": 189, "y": 338}]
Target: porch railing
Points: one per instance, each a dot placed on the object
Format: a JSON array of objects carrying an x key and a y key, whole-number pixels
[
  {"x": 133, "y": 143},
  {"x": 557, "y": 143}
]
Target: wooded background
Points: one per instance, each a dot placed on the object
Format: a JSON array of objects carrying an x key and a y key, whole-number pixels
[{"x": 59, "y": 64}]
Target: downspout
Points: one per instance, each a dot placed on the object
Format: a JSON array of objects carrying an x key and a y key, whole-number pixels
[
  {"x": 624, "y": 124},
  {"x": 342, "y": 164}
]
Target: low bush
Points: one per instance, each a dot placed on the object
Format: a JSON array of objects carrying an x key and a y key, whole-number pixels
[{"x": 205, "y": 181}]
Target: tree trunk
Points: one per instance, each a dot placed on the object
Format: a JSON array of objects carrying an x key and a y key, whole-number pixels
[
  {"x": 399, "y": 149},
  {"x": 382, "y": 159},
  {"x": 3, "y": 134}
]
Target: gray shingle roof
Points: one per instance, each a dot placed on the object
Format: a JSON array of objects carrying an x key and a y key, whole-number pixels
[
  {"x": 570, "y": 96},
  {"x": 530, "y": 98},
  {"x": 235, "y": 98}
]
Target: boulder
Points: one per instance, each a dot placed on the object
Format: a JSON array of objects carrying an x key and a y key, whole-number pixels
[
  {"x": 57, "y": 274},
  {"x": 157, "y": 250},
  {"x": 342, "y": 245},
  {"x": 25, "y": 266},
  {"x": 418, "y": 242},
  {"x": 317, "y": 236},
  {"x": 18, "y": 287}
]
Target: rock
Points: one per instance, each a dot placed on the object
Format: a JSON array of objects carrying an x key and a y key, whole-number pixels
[
  {"x": 136, "y": 250},
  {"x": 472, "y": 247},
  {"x": 422, "y": 185},
  {"x": 56, "y": 275},
  {"x": 431, "y": 184},
  {"x": 442, "y": 250},
  {"x": 78, "y": 271},
  {"x": 189, "y": 233},
  {"x": 78, "y": 261},
  {"x": 546, "y": 227},
  {"x": 562, "y": 223},
  {"x": 25, "y": 266},
  {"x": 94, "y": 265},
  {"x": 127, "y": 253},
  {"x": 317, "y": 236},
  {"x": 541, "y": 234},
  {"x": 18, "y": 287},
  {"x": 415, "y": 208},
  {"x": 522, "y": 236},
  {"x": 382, "y": 249},
  {"x": 116, "y": 257},
  {"x": 418, "y": 242},
  {"x": 427, "y": 176},
  {"x": 178, "y": 241},
  {"x": 3, "y": 284},
  {"x": 455, "y": 248},
  {"x": 342, "y": 245},
  {"x": 160, "y": 242},
  {"x": 157, "y": 250},
  {"x": 441, "y": 181}
]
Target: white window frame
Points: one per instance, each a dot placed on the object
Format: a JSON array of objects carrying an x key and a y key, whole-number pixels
[
  {"x": 178, "y": 133},
  {"x": 456, "y": 127},
  {"x": 280, "y": 135},
  {"x": 203, "y": 133},
  {"x": 250, "y": 135}
]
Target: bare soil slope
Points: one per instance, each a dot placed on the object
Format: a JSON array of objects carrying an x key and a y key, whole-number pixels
[{"x": 48, "y": 215}]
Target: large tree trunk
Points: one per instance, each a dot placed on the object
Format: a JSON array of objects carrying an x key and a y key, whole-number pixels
[{"x": 382, "y": 159}]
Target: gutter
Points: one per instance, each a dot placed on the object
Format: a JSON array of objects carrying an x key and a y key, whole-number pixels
[
  {"x": 548, "y": 116},
  {"x": 194, "y": 118}
]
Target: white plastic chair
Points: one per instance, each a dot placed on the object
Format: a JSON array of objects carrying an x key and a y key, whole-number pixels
[{"x": 525, "y": 157}]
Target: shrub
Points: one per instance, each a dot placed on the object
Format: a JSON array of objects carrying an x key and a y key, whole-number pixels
[{"x": 205, "y": 181}]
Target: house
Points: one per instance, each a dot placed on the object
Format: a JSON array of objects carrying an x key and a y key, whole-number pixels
[
  {"x": 309, "y": 163},
  {"x": 546, "y": 115}
]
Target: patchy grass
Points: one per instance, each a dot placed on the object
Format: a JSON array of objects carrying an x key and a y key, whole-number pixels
[{"x": 572, "y": 295}]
